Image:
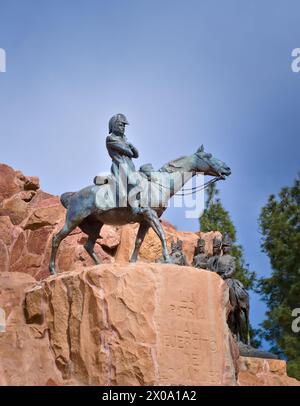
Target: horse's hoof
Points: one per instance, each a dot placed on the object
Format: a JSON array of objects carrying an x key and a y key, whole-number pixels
[{"x": 52, "y": 272}]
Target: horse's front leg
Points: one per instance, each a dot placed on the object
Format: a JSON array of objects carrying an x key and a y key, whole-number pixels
[
  {"x": 152, "y": 219},
  {"x": 143, "y": 228}
]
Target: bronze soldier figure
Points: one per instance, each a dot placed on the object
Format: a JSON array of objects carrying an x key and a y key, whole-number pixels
[
  {"x": 225, "y": 266},
  {"x": 200, "y": 258},
  {"x": 213, "y": 260},
  {"x": 177, "y": 255}
]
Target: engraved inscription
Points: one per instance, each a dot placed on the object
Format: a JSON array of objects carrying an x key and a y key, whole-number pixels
[
  {"x": 186, "y": 306},
  {"x": 190, "y": 342},
  {"x": 190, "y": 350}
]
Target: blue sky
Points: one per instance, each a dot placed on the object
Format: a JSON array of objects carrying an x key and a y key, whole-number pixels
[{"x": 184, "y": 73}]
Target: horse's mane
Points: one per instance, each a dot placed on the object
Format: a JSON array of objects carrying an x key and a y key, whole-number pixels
[{"x": 174, "y": 165}]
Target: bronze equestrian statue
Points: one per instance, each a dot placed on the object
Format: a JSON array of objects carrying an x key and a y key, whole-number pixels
[{"x": 107, "y": 203}]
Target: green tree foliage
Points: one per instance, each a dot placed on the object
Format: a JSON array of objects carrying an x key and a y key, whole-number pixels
[
  {"x": 216, "y": 218},
  {"x": 280, "y": 227}
]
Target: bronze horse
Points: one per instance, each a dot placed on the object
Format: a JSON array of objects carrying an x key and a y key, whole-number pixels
[{"x": 94, "y": 205}]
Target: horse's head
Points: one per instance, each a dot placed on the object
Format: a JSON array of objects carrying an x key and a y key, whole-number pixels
[{"x": 206, "y": 163}]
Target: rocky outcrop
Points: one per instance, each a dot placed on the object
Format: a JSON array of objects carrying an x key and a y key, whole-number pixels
[
  {"x": 264, "y": 372},
  {"x": 25, "y": 355},
  {"x": 30, "y": 217},
  {"x": 133, "y": 324}
]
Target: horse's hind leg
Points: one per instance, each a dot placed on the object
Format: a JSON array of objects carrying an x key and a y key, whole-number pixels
[
  {"x": 152, "y": 219},
  {"x": 56, "y": 240},
  {"x": 93, "y": 236},
  {"x": 139, "y": 240}
]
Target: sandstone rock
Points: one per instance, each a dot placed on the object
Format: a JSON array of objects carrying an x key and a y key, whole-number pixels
[
  {"x": 110, "y": 236},
  {"x": 4, "y": 257},
  {"x": 43, "y": 199},
  {"x": 264, "y": 372},
  {"x": 38, "y": 239},
  {"x": 20, "y": 176},
  {"x": 16, "y": 208},
  {"x": 151, "y": 248},
  {"x": 126, "y": 246},
  {"x": 67, "y": 258},
  {"x": 133, "y": 324},
  {"x": 136, "y": 324},
  {"x": 29, "y": 263},
  {"x": 34, "y": 303},
  {"x": 18, "y": 248},
  {"x": 9, "y": 184},
  {"x": 45, "y": 216},
  {"x": 27, "y": 195},
  {"x": 26, "y": 358},
  {"x": 31, "y": 183},
  {"x": 12, "y": 182},
  {"x": 6, "y": 230}
]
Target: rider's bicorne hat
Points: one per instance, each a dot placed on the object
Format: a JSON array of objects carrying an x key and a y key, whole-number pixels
[{"x": 117, "y": 117}]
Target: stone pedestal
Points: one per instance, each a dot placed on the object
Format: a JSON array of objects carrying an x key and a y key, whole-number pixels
[
  {"x": 136, "y": 324},
  {"x": 123, "y": 324}
]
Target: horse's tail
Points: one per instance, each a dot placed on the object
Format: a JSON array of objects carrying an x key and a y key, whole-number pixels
[{"x": 65, "y": 198}]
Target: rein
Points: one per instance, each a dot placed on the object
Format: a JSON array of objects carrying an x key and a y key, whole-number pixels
[{"x": 195, "y": 189}]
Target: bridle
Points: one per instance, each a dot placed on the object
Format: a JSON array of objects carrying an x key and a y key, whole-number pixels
[
  {"x": 195, "y": 189},
  {"x": 200, "y": 188}
]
